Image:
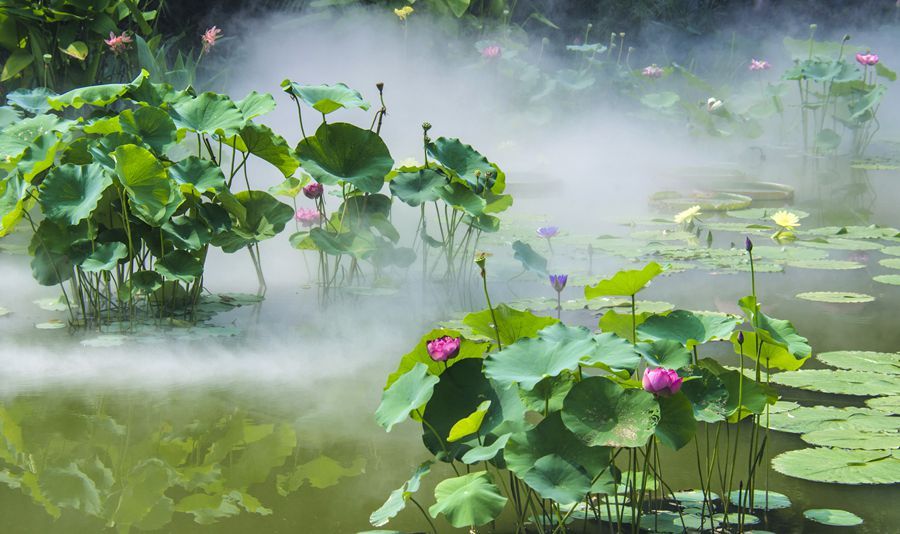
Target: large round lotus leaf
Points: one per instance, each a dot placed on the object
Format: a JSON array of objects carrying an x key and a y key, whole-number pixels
[
  {"x": 468, "y": 500},
  {"x": 255, "y": 104},
  {"x": 856, "y": 439},
  {"x": 836, "y": 297},
  {"x": 198, "y": 174},
  {"x": 890, "y": 279},
  {"x": 70, "y": 193},
  {"x": 186, "y": 233},
  {"x": 558, "y": 479},
  {"x": 465, "y": 162},
  {"x": 885, "y": 404},
  {"x": 548, "y": 394},
  {"x": 104, "y": 257},
  {"x": 153, "y": 196},
  {"x": 256, "y": 216},
  {"x": 550, "y": 436},
  {"x": 827, "y": 265},
  {"x": 361, "y": 245},
  {"x": 412, "y": 390},
  {"x": 677, "y": 426},
  {"x": 762, "y": 500},
  {"x": 512, "y": 324},
  {"x": 624, "y": 283},
  {"x": 483, "y": 453},
  {"x": 95, "y": 95},
  {"x": 808, "y": 419},
  {"x": 342, "y": 152},
  {"x": 31, "y": 100},
  {"x": 689, "y": 328},
  {"x": 418, "y": 187},
  {"x": 603, "y": 413},
  {"x": 326, "y": 98},
  {"x": 843, "y": 382},
  {"x": 56, "y": 249},
  {"x": 262, "y": 142},
  {"x": 876, "y": 362},
  {"x": 529, "y": 258},
  {"x": 666, "y": 353},
  {"x": 461, "y": 197},
  {"x": 745, "y": 395},
  {"x": 708, "y": 396},
  {"x": 207, "y": 113},
  {"x": 840, "y": 466},
  {"x": 613, "y": 353},
  {"x": 834, "y": 518},
  {"x": 179, "y": 266},
  {"x": 461, "y": 390},
  {"x": 13, "y": 193},
  {"x": 152, "y": 125}
]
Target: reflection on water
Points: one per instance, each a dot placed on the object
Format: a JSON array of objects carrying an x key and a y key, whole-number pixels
[{"x": 271, "y": 429}]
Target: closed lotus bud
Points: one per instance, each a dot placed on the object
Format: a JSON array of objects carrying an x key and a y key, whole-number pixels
[
  {"x": 426, "y": 126},
  {"x": 740, "y": 338},
  {"x": 313, "y": 190},
  {"x": 380, "y": 86},
  {"x": 748, "y": 245}
]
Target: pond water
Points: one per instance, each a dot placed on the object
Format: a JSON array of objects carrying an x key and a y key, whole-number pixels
[{"x": 265, "y": 423}]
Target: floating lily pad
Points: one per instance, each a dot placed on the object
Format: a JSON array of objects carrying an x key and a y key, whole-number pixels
[
  {"x": 876, "y": 362},
  {"x": 839, "y": 466},
  {"x": 788, "y": 253},
  {"x": 52, "y": 303},
  {"x": 891, "y": 251},
  {"x": 694, "y": 496},
  {"x": 856, "y": 232},
  {"x": 808, "y": 419},
  {"x": 762, "y": 500},
  {"x": 890, "y": 263},
  {"x": 52, "y": 324},
  {"x": 762, "y": 213},
  {"x": 831, "y": 265},
  {"x": 892, "y": 279},
  {"x": 835, "y": 297},
  {"x": 834, "y": 518},
  {"x": 837, "y": 243},
  {"x": 890, "y": 404},
  {"x": 708, "y": 201},
  {"x": 4, "y": 311},
  {"x": 106, "y": 340},
  {"x": 842, "y": 382},
  {"x": 858, "y": 439}
]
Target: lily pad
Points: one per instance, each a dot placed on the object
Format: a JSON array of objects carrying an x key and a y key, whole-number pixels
[
  {"x": 876, "y": 362},
  {"x": 891, "y": 279},
  {"x": 890, "y": 263},
  {"x": 840, "y": 244},
  {"x": 842, "y": 382},
  {"x": 762, "y": 500},
  {"x": 835, "y": 297},
  {"x": 891, "y": 251},
  {"x": 808, "y": 419},
  {"x": 106, "y": 340},
  {"x": 839, "y": 466},
  {"x": 885, "y": 404},
  {"x": 828, "y": 265},
  {"x": 857, "y": 439},
  {"x": 52, "y": 303},
  {"x": 52, "y": 324},
  {"x": 834, "y": 518},
  {"x": 762, "y": 213}
]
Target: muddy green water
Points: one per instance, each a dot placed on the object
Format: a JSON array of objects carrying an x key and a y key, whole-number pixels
[{"x": 300, "y": 386}]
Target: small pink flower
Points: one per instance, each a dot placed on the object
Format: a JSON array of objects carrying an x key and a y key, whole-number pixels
[
  {"x": 118, "y": 43},
  {"x": 443, "y": 348},
  {"x": 759, "y": 64},
  {"x": 868, "y": 59},
  {"x": 307, "y": 217},
  {"x": 313, "y": 190},
  {"x": 491, "y": 52},
  {"x": 209, "y": 38},
  {"x": 653, "y": 71},
  {"x": 661, "y": 381}
]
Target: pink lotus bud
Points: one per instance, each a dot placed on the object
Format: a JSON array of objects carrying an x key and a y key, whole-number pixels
[
  {"x": 491, "y": 52},
  {"x": 661, "y": 381},
  {"x": 313, "y": 190},
  {"x": 443, "y": 348}
]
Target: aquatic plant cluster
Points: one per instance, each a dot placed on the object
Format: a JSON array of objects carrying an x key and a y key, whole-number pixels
[{"x": 561, "y": 424}]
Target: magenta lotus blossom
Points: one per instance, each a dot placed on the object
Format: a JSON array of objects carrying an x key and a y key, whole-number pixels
[
  {"x": 443, "y": 348},
  {"x": 759, "y": 64},
  {"x": 307, "y": 217},
  {"x": 209, "y": 38},
  {"x": 661, "y": 381},
  {"x": 313, "y": 190},
  {"x": 558, "y": 281},
  {"x": 652, "y": 71},
  {"x": 548, "y": 232},
  {"x": 491, "y": 52},
  {"x": 867, "y": 59},
  {"x": 118, "y": 43}
]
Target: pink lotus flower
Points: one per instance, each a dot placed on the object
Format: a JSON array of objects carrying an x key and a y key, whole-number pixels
[
  {"x": 661, "y": 381},
  {"x": 118, "y": 43},
  {"x": 209, "y": 38},
  {"x": 491, "y": 52},
  {"x": 759, "y": 64},
  {"x": 313, "y": 190},
  {"x": 443, "y": 348},
  {"x": 307, "y": 217},
  {"x": 653, "y": 71},
  {"x": 868, "y": 59}
]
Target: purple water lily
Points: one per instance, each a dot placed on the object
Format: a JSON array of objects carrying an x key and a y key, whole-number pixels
[
  {"x": 558, "y": 281},
  {"x": 548, "y": 232}
]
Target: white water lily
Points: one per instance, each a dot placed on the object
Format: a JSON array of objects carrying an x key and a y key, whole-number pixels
[
  {"x": 687, "y": 216},
  {"x": 713, "y": 103}
]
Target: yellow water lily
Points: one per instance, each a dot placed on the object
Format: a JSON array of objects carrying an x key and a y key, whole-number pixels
[
  {"x": 687, "y": 216},
  {"x": 786, "y": 219},
  {"x": 403, "y": 12}
]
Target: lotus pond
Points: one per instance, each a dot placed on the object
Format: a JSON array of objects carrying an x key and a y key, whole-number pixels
[{"x": 243, "y": 310}]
